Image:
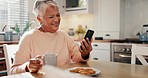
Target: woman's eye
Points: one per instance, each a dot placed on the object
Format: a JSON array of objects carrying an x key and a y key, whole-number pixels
[
  {"x": 58, "y": 15},
  {"x": 51, "y": 16}
]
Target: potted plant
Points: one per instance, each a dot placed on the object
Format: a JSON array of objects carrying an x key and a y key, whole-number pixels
[
  {"x": 21, "y": 32},
  {"x": 80, "y": 31}
]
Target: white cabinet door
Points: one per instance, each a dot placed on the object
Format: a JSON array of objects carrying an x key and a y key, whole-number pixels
[
  {"x": 107, "y": 18},
  {"x": 101, "y": 51},
  {"x": 102, "y": 55},
  {"x": 110, "y": 15}
]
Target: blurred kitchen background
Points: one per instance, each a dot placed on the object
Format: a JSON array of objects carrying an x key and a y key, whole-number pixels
[
  {"x": 110, "y": 19},
  {"x": 118, "y": 24}
]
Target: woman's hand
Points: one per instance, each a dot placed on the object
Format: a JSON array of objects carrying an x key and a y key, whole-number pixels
[
  {"x": 86, "y": 48},
  {"x": 34, "y": 65}
]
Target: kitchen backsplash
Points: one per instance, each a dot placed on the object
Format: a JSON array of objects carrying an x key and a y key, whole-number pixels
[
  {"x": 74, "y": 20},
  {"x": 135, "y": 15}
]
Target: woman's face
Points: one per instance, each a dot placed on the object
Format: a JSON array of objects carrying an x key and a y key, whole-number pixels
[{"x": 50, "y": 20}]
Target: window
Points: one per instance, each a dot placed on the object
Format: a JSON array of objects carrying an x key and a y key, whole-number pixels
[
  {"x": 3, "y": 14},
  {"x": 12, "y": 12}
]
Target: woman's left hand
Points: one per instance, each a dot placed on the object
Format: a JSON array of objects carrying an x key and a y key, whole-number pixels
[{"x": 86, "y": 47}]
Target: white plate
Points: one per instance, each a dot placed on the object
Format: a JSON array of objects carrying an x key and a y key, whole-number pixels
[{"x": 95, "y": 69}]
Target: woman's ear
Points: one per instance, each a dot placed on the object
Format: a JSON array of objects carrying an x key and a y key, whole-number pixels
[{"x": 39, "y": 19}]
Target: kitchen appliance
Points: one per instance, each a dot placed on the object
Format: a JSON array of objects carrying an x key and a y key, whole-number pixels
[
  {"x": 144, "y": 28},
  {"x": 75, "y": 5},
  {"x": 72, "y": 3},
  {"x": 144, "y": 33},
  {"x": 121, "y": 50}
]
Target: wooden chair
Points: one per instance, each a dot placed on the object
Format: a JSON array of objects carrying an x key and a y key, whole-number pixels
[
  {"x": 9, "y": 51},
  {"x": 137, "y": 52}
]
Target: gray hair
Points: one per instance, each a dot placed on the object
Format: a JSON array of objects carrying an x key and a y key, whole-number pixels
[{"x": 40, "y": 6}]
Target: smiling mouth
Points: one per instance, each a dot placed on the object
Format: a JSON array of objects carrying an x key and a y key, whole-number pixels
[{"x": 56, "y": 24}]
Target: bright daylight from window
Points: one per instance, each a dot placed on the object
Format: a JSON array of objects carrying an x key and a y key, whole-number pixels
[{"x": 13, "y": 12}]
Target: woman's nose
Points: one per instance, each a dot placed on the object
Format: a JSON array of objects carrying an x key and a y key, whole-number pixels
[{"x": 57, "y": 19}]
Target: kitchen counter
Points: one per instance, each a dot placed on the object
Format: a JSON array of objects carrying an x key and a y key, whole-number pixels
[
  {"x": 104, "y": 40},
  {"x": 9, "y": 42}
]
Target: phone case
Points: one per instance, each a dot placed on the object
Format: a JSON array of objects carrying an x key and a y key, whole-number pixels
[{"x": 88, "y": 35}]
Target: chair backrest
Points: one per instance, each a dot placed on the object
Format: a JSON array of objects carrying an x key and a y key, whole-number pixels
[
  {"x": 9, "y": 51},
  {"x": 137, "y": 52}
]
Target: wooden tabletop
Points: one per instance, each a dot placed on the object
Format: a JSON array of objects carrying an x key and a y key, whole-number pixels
[
  {"x": 115, "y": 70},
  {"x": 108, "y": 70}
]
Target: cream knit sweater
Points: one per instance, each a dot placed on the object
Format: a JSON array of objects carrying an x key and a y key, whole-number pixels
[{"x": 35, "y": 43}]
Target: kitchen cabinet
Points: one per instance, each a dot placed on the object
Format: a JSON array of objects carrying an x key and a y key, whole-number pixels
[
  {"x": 101, "y": 51},
  {"x": 107, "y": 18},
  {"x": 64, "y": 9}
]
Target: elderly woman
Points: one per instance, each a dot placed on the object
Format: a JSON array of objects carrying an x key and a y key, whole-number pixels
[{"x": 48, "y": 39}]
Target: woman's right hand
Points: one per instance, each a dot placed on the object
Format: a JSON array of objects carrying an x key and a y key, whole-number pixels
[{"x": 34, "y": 65}]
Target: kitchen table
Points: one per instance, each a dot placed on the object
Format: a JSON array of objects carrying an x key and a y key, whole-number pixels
[{"x": 108, "y": 70}]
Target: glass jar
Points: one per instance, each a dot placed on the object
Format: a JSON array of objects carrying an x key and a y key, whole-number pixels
[{"x": 71, "y": 32}]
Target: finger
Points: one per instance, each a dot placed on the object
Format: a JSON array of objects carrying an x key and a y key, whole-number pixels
[
  {"x": 38, "y": 56},
  {"x": 34, "y": 67},
  {"x": 89, "y": 42},
  {"x": 83, "y": 52},
  {"x": 33, "y": 70},
  {"x": 35, "y": 61},
  {"x": 86, "y": 44},
  {"x": 89, "y": 47},
  {"x": 83, "y": 46}
]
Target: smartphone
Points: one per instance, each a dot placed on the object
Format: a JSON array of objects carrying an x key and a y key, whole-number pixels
[{"x": 88, "y": 35}]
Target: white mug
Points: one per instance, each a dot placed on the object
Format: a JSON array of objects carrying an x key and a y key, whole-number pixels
[{"x": 50, "y": 59}]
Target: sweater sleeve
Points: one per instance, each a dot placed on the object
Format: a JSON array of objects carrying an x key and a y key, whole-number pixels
[
  {"x": 74, "y": 50},
  {"x": 22, "y": 56}
]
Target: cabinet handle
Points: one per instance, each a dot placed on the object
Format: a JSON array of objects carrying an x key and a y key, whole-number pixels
[{"x": 95, "y": 45}]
